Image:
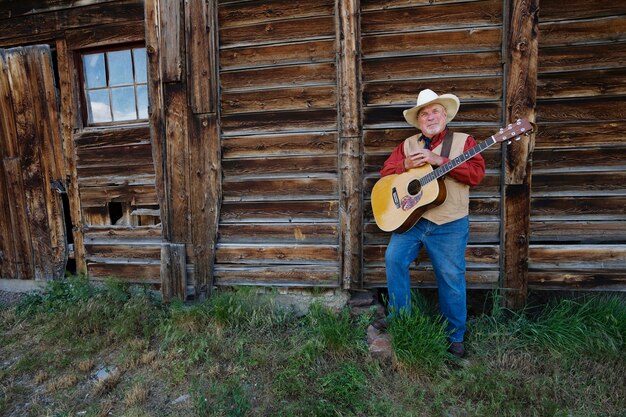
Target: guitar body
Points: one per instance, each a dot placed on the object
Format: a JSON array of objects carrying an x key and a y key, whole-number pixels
[{"x": 395, "y": 208}]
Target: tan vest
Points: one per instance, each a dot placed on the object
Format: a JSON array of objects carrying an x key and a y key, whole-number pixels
[{"x": 456, "y": 205}]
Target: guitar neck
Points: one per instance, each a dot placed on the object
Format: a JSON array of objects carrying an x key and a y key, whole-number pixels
[{"x": 453, "y": 163}]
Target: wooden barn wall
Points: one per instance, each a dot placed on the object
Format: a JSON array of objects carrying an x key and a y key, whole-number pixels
[
  {"x": 578, "y": 211},
  {"x": 449, "y": 47},
  {"x": 109, "y": 171},
  {"x": 279, "y": 221}
]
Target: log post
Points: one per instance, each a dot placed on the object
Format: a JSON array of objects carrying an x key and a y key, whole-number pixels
[
  {"x": 521, "y": 89},
  {"x": 350, "y": 142}
]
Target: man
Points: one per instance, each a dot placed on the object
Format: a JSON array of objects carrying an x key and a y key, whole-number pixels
[{"x": 443, "y": 230}]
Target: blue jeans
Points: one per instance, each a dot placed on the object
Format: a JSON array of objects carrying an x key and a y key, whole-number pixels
[{"x": 445, "y": 245}]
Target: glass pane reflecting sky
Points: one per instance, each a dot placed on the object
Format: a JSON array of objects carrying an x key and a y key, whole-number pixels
[
  {"x": 95, "y": 75},
  {"x": 141, "y": 73},
  {"x": 99, "y": 108},
  {"x": 120, "y": 68},
  {"x": 142, "y": 101},
  {"x": 123, "y": 102}
]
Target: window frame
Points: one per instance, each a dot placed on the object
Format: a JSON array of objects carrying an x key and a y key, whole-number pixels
[{"x": 82, "y": 93}]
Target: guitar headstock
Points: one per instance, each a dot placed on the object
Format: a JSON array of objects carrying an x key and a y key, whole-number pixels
[{"x": 514, "y": 130}]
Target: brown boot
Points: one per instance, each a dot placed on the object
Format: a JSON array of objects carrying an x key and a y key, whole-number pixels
[{"x": 457, "y": 349}]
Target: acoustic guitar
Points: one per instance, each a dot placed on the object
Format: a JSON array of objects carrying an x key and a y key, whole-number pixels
[{"x": 400, "y": 200}]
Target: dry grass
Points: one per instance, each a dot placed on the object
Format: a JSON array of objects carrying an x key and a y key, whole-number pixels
[
  {"x": 41, "y": 377},
  {"x": 136, "y": 395},
  {"x": 65, "y": 381},
  {"x": 86, "y": 365}
]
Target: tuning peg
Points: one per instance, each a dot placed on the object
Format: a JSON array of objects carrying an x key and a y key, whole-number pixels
[
  {"x": 509, "y": 126},
  {"x": 508, "y": 142},
  {"x": 518, "y": 138}
]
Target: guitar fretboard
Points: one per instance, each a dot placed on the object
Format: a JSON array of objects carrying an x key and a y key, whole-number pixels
[{"x": 453, "y": 163}]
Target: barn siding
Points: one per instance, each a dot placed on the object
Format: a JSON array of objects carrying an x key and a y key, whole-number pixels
[
  {"x": 270, "y": 120},
  {"x": 578, "y": 217}
]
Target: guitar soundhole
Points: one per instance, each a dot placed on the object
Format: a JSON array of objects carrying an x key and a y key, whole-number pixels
[{"x": 414, "y": 187}]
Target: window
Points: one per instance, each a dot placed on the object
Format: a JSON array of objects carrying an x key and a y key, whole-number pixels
[{"x": 115, "y": 85}]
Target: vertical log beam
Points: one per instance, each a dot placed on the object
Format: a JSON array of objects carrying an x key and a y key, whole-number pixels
[
  {"x": 521, "y": 89},
  {"x": 173, "y": 271},
  {"x": 204, "y": 138},
  {"x": 350, "y": 141},
  {"x": 169, "y": 114}
]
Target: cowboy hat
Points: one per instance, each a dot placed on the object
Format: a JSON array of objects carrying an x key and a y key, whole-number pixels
[{"x": 427, "y": 97}]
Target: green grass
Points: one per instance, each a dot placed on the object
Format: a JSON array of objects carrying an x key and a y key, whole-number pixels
[{"x": 238, "y": 354}]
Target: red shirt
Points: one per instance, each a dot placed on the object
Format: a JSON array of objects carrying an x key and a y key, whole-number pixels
[{"x": 470, "y": 172}]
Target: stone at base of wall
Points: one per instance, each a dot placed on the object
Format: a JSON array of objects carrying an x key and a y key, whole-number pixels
[
  {"x": 300, "y": 299},
  {"x": 20, "y": 285}
]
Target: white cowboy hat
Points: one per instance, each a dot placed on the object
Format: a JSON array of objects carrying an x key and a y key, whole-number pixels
[{"x": 426, "y": 97}]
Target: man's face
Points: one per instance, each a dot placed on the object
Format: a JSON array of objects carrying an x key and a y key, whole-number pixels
[{"x": 432, "y": 119}]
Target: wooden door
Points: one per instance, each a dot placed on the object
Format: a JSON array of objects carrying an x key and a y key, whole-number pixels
[{"x": 32, "y": 232}]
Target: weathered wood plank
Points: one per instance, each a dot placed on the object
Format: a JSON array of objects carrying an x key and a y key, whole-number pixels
[
  {"x": 568, "y": 134},
  {"x": 294, "y": 233},
  {"x": 588, "y": 279},
  {"x": 288, "y": 76},
  {"x": 282, "y": 122},
  {"x": 521, "y": 90},
  {"x": 112, "y": 234},
  {"x": 592, "y": 109},
  {"x": 583, "y": 208},
  {"x": 434, "y": 17},
  {"x": 173, "y": 271},
  {"x": 405, "y": 91},
  {"x": 300, "y": 98},
  {"x": 26, "y": 107},
  {"x": 105, "y": 35},
  {"x": 119, "y": 136},
  {"x": 566, "y": 160},
  {"x": 580, "y": 9},
  {"x": 140, "y": 154},
  {"x": 579, "y": 183},
  {"x": 279, "y": 165},
  {"x": 278, "y": 54},
  {"x": 582, "y": 57},
  {"x": 572, "y": 257},
  {"x": 593, "y": 231},
  {"x": 276, "y": 275},
  {"x": 463, "y": 40},
  {"x": 28, "y": 7},
  {"x": 280, "y": 189},
  {"x": 370, "y": 5},
  {"x": 239, "y": 14},
  {"x": 284, "y": 211},
  {"x": 136, "y": 195},
  {"x": 141, "y": 251},
  {"x": 590, "y": 83},
  {"x": 137, "y": 272},
  {"x": 68, "y": 116},
  {"x": 350, "y": 124},
  {"x": 23, "y": 259},
  {"x": 205, "y": 199},
  {"x": 197, "y": 43},
  {"x": 282, "y": 144},
  {"x": 115, "y": 12},
  {"x": 115, "y": 170},
  {"x": 177, "y": 151},
  {"x": 425, "y": 66},
  {"x": 276, "y": 254},
  {"x": 277, "y": 32},
  {"x": 156, "y": 111},
  {"x": 171, "y": 40},
  {"x": 603, "y": 30}
]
